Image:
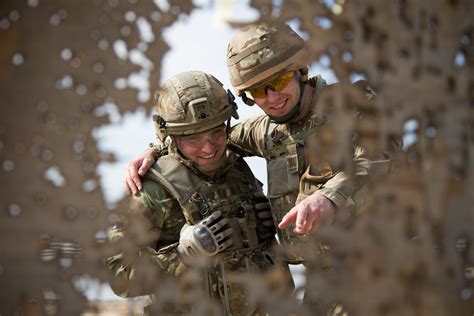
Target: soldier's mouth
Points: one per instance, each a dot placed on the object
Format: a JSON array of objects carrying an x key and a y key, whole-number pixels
[
  {"x": 279, "y": 105},
  {"x": 208, "y": 156}
]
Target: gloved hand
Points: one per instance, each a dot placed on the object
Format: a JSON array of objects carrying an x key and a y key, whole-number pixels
[{"x": 206, "y": 238}]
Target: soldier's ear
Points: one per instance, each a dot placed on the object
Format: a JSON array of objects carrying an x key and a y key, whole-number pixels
[{"x": 247, "y": 100}]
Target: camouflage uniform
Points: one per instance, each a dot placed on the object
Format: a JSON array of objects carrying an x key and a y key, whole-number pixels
[
  {"x": 295, "y": 147},
  {"x": 234, "y": 192},
  {"x": 176, "y": 192}
]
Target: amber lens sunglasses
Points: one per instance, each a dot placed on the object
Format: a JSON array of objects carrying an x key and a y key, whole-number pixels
[
  {"x": 276, "y": 84},
  {"x": 198, "y": 140}
]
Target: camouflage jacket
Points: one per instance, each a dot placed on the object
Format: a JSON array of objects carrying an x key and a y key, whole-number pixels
[
  {"x": 233, "y": 191},
  {"x": 299, "y": 151}
]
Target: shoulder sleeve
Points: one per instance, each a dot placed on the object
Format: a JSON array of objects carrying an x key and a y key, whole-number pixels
[
  {"x": 341, "y": 189},
  {"x": 248, "y": 138},
  {"x": 155, "y": 202}
]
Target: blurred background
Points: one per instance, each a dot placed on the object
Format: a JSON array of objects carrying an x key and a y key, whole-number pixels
[{"x": 77, "y": 84}]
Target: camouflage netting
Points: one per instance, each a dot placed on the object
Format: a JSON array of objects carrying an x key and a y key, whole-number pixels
[
  {"x": 58, "y": 69},
  {"x": 409, "y": 252}
]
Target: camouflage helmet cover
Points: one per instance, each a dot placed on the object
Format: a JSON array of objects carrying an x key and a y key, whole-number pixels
[
  {"x": 259, "y": 51},
  {"x": 191, "y": 102}
]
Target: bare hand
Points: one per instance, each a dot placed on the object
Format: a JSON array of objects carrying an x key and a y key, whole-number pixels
[
  {"x": 309, "y": 214},
  {"x": 136, "y": 168}
]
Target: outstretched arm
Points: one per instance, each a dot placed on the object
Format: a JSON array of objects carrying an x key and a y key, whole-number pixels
[
  {"x": 340, "y": 187},
  {"x": 320, "y": 206},
  {"x": 309, "y": 214}
]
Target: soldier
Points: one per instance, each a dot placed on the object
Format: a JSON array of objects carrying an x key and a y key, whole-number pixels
[
  {"x": 199, "y": 200},
  {"x": 268, "y": 66}
]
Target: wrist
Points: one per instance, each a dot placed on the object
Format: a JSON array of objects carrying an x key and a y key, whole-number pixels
[
  {"x": 327, "y": 207},
  {"x": 183, "y": 257},
  {"x": 337, "y": 199},
  {"x": 328, "y": 214}
]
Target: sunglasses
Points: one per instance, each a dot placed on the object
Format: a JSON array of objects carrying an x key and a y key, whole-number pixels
[
  {"x": 276, "y": 84},
  {"x": 198, "y": 140}
]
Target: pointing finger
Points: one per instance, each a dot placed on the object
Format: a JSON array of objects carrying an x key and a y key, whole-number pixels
[{"x": 288, "y": 218}]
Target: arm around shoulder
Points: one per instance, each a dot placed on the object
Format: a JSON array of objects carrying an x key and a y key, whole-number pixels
[{"x": 247, "y": 138}]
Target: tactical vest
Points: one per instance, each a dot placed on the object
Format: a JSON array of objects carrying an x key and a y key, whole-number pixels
[
  {"x": 285, "y": 150},
  {"x": 234, "y": 194}
]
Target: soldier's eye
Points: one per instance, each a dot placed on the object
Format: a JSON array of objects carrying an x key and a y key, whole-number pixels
[{"x": 191, "y": 139}]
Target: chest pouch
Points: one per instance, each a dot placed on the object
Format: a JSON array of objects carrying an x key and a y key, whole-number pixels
[{"x": 284, "y": 171}]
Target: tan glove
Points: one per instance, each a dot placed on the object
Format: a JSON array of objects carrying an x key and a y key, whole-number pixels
[{"x": 206, "y": 238}]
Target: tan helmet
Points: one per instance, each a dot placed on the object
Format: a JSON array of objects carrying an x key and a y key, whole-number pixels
[
  {"x": 259, "y": 51},
  {"x": 192, "y": 102}
]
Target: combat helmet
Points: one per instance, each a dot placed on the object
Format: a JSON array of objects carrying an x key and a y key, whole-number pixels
[
  {"x": 192, "y": 102},
  {"x": 259, "y": 51}
]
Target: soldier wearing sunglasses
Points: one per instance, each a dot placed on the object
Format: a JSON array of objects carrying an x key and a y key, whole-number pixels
[{"x": 268, "y": 67}]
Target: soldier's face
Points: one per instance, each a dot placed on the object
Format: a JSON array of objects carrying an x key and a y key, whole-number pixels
[
  {"x": 280, "y": 103},
  {"x": 205, "y": 148}
]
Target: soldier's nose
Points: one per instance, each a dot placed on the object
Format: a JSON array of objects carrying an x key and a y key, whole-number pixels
[
  {"x": 272, "y": 95},
  {"x": 208, "y": 146}
]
